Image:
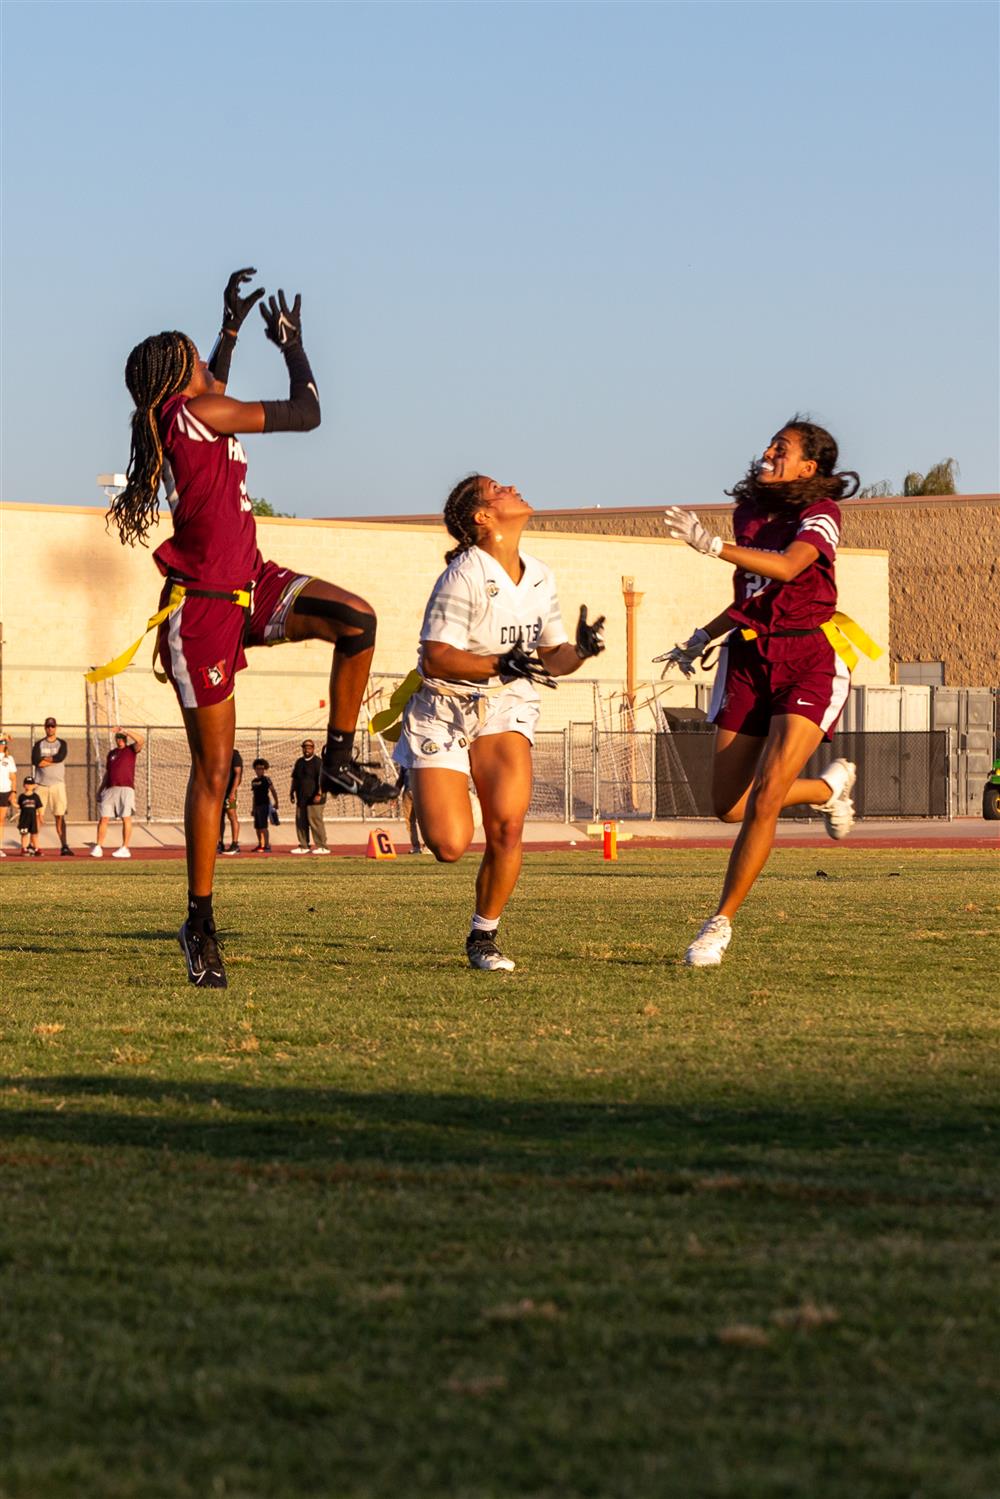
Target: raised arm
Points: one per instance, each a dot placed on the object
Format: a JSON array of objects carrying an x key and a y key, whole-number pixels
[
  {"x": 234, "y": 311},
  {"x": 684, "y": 525},
  {"x": 300, "y": 413}
]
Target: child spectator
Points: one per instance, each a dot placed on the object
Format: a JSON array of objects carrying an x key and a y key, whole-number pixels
[
  {"x": 29, "y": 819},
  {"x": 265, "y": 805}
]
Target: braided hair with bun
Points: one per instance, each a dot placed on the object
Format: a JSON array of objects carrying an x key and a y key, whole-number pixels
[
  {"x": 460, "y": 514},
  {"x": 156, "y": 369}
]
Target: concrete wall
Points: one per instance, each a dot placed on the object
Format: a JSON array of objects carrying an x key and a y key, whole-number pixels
[
  {"x": 944, "y": 571},
  {"x": 71, "y": 596}
]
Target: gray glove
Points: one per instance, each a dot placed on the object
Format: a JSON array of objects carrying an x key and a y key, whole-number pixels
[{"x": 686, "y": 656}]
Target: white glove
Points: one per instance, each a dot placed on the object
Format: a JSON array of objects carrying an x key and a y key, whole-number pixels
[
  {"x": 685, "y": 656},
  {"x": 684, "y": 525}
]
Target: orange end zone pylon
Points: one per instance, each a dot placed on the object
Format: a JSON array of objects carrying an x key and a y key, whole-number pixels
[
  {"x": 380, "y": 845},
  {"x": 611, "y": 840}
]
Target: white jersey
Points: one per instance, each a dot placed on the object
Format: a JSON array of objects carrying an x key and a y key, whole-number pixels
[{"x": 476, "y": 606}]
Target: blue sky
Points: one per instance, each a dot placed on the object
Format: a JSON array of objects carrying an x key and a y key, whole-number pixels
[{"x": 600, "y": 251}]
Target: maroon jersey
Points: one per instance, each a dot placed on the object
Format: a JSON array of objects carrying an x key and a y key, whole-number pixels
[
  {"x": 119, "y": 768},
  {"x": 805, "y": 601},
  {"x": 215, "y": 535}
]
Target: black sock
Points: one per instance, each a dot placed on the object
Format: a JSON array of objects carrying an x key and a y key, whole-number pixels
[
  {"x": 339, "y": 747},
  {"x": 200, "y": 913}
]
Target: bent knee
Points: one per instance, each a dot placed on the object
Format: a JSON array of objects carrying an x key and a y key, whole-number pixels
[
  {"x": 725, "y": 812},
  {"x": 445, "y": 851}
]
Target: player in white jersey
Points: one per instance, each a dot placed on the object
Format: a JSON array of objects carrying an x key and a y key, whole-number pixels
[{"x": 492, "y": 630}]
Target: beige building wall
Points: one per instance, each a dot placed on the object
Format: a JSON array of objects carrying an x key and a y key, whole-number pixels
[{"x": 71, "y": 596}]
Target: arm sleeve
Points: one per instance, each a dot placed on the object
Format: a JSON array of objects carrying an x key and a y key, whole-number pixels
[
  {"x": 451, "y": 611},
  {"x": 36, "y": 753},
  {"x": 553, "y": 629},
  {"x": 820, "y": 527},
  {"x": 60, "y": 755},
  {"x": 300, "y": 413}
]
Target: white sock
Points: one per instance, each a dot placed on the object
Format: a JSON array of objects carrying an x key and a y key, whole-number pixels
[{"x": 485, "y": 923}]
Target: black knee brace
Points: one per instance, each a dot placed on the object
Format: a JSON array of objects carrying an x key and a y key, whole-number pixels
[{"x": 354, "y": 619}]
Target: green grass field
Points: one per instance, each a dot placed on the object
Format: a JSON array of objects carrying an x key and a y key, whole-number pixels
[{"x": 370, "y": 1224}]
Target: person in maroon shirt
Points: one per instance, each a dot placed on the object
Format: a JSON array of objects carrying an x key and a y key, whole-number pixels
[
  {"x": 780, "y": 685},
  {"x": 116, "y": 793},
  {"x": 221, "y": 594}
]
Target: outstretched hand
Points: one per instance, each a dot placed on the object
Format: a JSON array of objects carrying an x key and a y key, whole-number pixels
[
  {"x": 685, "y": 657},
  {"x": 283, "y": 324},
  {"x": 588, "y": 637},
  {"x": 518, "y": 664},
  {"x": 235, "y": 307},
  {"x": 684, "y": 525}
]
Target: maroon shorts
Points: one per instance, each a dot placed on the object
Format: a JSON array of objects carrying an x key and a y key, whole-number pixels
[
  {"x": 201, "y": 645},
  {"x": 809, "y": 680}
]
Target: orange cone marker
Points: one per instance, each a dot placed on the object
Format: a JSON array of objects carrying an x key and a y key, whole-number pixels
[{"x": 380, "y": 845}]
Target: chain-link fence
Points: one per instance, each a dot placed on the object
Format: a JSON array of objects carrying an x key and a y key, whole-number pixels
[
  {"x": 581, "y": 772},
  {"x": 902, "y": 774}
]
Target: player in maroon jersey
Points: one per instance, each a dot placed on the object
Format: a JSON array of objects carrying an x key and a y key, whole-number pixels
[
  {"x": 185, "y": 433},
  {"x": 778, "y": 694}
]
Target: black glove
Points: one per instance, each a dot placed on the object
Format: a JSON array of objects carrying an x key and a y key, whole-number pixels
[
  {"x": 517, "y": 665},
  {"x": 588, "y": 637},
  {"x": 235, "y": 307},
  {"x": 284, "y": 327}
]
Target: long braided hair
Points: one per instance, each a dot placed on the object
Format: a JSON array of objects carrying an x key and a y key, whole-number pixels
[
  {"x": 157, "y": 368},
  {"x": 827, "y": 483},
  {"x": 459, "y": 514}
]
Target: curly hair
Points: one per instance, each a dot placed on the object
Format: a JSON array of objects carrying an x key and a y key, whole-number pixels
[
  {"x": 827, "y": 483},
  {"x": 157, "y": 368},
  {"x": 459, "y": 514}
]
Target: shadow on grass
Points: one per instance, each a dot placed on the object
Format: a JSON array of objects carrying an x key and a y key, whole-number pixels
[{"x": 873, "y": 1154}]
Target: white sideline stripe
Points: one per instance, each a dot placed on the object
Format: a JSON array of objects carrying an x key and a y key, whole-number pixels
[
  {"x": 719, "y": 685},
  {"x": 181, "y": 675},
  {"x": 838, "y": 693}
]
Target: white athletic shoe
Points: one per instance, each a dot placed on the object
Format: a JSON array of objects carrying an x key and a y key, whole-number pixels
[
  {"x": 483, "y": 952},
  {"x": 711, "y": 942},
  {"x": 122, "y": 853},
  {"x": 300, "y": 850},
  {"x": 838, "y": 811},
  {"x": 319, "y": 850},
  {"x": 97, "y": 852}
]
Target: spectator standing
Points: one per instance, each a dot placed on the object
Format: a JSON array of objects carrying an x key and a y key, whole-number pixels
[
  {"x": 308, "y": 800},
  {"x": 116, "y": 793},
  {"x": 8, "y": 787},
  {"x": 265, "y": 802},
  {"x": 229, "y": 807},
  {"x": 48, "y": 757},
  {"x": 30, "y": 818}
]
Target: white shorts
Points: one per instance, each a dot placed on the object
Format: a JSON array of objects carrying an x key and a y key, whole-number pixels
[
  {"x": 116, "y": 801},
  {"x": 437, "y": 729}
]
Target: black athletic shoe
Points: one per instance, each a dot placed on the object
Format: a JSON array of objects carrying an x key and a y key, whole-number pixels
[
  {"x": 484, "y": 953},
  {"x": 233, "y": 848},
  {"x": 220, "y": 847},
  {"x": 349, "y": 778},
  {"x": 204, "y": 958},
  {"x": 66, "y": 852}
]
